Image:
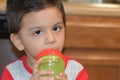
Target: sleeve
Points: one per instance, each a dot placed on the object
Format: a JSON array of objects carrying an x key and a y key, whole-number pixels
[
  {"x": 82, "y": 75},
  {"x": 6, "y": 75}
]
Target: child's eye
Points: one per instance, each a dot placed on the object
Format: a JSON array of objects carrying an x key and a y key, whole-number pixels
[
  {"x": 38, "y": 32},
  {"x": 57, "y": 28}
]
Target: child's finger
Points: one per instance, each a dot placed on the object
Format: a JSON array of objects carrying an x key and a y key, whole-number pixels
[
  {"x": 41, "y": 76},
  {"x": 35, "y": 67},
  {"x": 46, "y": 72},
  {"x": 61, "y": 76}
]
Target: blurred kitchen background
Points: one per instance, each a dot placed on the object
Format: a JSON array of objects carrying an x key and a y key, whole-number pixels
[
  {"x": 92, "y": 37},
  {"x": 93, "y": 1}
]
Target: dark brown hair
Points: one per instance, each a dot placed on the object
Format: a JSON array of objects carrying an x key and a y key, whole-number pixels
[{"x": 16, "y": 9}]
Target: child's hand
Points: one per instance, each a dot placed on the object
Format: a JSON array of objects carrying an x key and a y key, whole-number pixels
[
  {"x": 61, "y": 76},
  {"x": 41, "y": 74}
]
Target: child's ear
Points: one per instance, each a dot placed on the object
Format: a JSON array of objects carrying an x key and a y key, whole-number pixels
[{"x": 16, "y": 40}]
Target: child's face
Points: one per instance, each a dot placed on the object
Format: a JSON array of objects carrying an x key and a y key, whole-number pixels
[{"x": 41, "y": 30}]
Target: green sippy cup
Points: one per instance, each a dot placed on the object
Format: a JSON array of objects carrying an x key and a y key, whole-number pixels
[{"x": 51, "y": 59}]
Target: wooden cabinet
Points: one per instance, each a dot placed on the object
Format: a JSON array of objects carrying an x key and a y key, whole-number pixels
[{"x": 95, "y": 41}]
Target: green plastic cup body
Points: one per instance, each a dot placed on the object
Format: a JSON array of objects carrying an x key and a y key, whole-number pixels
[
  {"x": 51, "y": 59},
  {"x": 54, "y": 63}
]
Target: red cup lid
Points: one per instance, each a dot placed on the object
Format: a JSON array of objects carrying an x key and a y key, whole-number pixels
[{"x": 49, "y": 51}]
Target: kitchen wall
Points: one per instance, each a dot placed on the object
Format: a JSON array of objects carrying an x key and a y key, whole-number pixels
[{"x": 93, "y": 1}]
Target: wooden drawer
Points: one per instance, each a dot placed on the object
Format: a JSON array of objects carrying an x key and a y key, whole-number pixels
[{"x": 95, "y": 42}]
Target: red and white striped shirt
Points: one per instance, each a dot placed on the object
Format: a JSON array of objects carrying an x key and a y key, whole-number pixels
[{"x": 19, "y": 70}]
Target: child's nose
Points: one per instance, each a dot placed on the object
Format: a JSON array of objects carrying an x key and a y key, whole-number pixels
[{"x": 50, "y": 39}]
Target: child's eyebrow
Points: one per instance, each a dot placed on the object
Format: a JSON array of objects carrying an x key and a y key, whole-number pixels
[
  {"x": 61, "y": 22},
  {"x": 33, "y": 28},
  {"x": 39, "y": 27}
]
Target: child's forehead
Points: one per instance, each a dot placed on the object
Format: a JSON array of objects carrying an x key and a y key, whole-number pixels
[
  {"x": 44, "y": 11},
  {"x": 47, "y": 16}
]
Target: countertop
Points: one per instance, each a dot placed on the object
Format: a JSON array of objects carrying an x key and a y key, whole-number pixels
[{"x": 93, "y": 9}]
